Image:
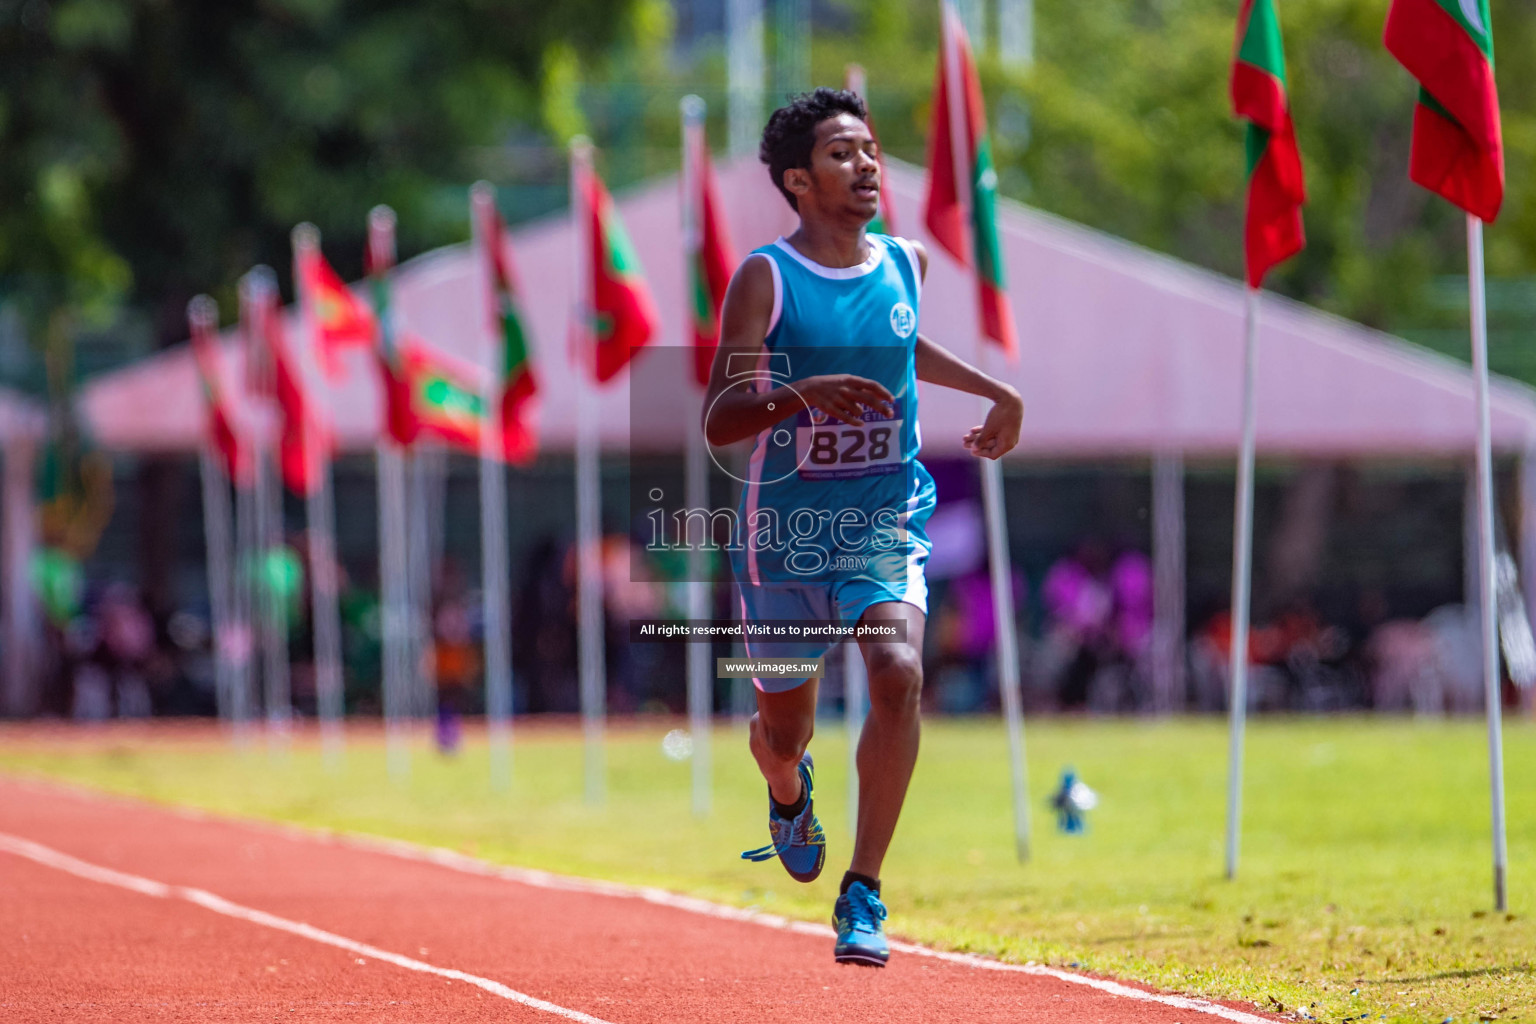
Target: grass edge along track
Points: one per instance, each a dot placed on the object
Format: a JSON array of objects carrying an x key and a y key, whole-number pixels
[{"x": 1364, "y": 891}]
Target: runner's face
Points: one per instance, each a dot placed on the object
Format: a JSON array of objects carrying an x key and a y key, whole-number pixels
[{"x": 845, "y": 171}]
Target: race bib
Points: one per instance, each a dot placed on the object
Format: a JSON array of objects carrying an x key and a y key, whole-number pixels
[{"x": 829, "y": 449}]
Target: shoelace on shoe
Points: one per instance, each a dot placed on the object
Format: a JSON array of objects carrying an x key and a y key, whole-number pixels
[
  {"x": 865, "y": 915},
  {"x": 804, "y": 830}
]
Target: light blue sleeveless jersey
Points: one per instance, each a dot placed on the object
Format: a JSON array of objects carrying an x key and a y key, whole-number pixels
[{"x": 825, "y": 502}]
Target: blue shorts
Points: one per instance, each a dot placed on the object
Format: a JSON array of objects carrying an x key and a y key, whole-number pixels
[{"x": 841, "y": 602}]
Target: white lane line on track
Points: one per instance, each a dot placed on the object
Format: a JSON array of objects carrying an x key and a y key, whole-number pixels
[
  {"x": 455, "y": 861},
  {"x": 52, "y": 858}
]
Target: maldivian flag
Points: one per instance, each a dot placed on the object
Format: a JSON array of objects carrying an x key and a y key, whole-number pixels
[
  {"x": 233, "y": 453},
  {"x": 710, "y": 260},
  {"x": 519, "y": 438},
  {"x": 339, "y": 319},
  {"x": 961, "y": 179},
  {"x": 1275, "y": 188},
  {"x": 300, "y": 426},
  {"x": 394, "y": 373},
  {"x": 444, "y": 396},
  {"x": 623, "y": 315},
  {"x": 1458, "y": 145}
]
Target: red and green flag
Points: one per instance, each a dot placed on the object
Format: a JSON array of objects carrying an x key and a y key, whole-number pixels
[
  {"x": 962, "y": 181},
  {"x": 444, "y": 396},
  {"x": 1458, "y": 144},
  {"x": 710, "y": 258},
  {"x": 400, "y": 423},
  {"x": 339, "y": 319},
  {"x": 1276, "y": 191},
  {"x": 518, "y": 386},
  {"x": 299, "y": 425},
  {"x": 623, "y": 314},
  {"x": 233, "y": 453}
]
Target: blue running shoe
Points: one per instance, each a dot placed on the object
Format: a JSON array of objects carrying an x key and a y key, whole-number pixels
[
  {"x": 858, "y": 917},
  {"x": 798, "y": 842}
]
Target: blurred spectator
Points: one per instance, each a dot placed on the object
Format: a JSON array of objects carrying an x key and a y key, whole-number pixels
[
  {"x": 964, "y": 631},
  {"x": 1122, "y": 681},
  {"x": 114, "y": 678},
  {"x": 544, "y": 644},
  {"x": 1405, "y": 671},
  {"x": 1211, "y": 672},
  {"x": 456, "y": 658},
  {"x": 1130, "y": 585},
  {"x": 1079, "y": 608},
  {"x": 637, "y": 678}
]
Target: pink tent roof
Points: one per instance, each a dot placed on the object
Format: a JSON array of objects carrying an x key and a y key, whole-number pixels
[{"x": 1123, "y": 350}]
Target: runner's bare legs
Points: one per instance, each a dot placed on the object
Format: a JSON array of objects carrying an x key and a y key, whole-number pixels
[
  {"x": 888, "y": 745},
  {"x": 779, "y": 734}
]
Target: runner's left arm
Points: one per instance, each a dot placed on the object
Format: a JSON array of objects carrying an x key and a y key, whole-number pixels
[{"x": 935, "y": 364}]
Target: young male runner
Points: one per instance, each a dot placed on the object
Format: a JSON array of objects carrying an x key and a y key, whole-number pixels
[{"x": 835, "y": 501}]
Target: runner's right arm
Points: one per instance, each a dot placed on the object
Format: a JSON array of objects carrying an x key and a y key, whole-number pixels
[{"x": 731, "y": 414}]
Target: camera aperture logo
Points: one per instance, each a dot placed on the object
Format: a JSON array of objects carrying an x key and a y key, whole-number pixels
[{"x": 815, "y": 496}]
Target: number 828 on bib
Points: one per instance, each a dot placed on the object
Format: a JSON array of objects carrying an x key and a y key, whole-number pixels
[{"x": 829, "y": 449}]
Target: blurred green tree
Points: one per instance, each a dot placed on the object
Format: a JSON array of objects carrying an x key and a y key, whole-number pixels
[
  {"x": 1123, "y": 123},
  {"x": 154, "y": 150}
]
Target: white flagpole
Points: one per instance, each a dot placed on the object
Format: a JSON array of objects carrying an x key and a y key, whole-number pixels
[
  {"x": 998, "y": 560},
  {"x": 242, "y": 595},
  {"x": 1168, "y": 558},
  {"x": 423, "y": 671},
  {"x": 1242, "y": 585},
  {"x": 320, "y": 508},
  {"x": 1009, "y": 682},
  {"x": 277, "y": 693},
  {"x": 391, "y": 500},
  {"x": 216, "y": 537},
  {"x": 329, "y": 698},
  {"x": 394, "y": 579},
  {"x": 1487, "y": 592},
  {"x": 203, "y": 317},
  {"x": 321, "y": 516},
  {"x": 257, "y": 287},
  {"x": 263, "y": 609},
  {"x": 696, "y": 473},
  {"x": 589, "y": 566},
  {"x": 745, "y": 72},
  {"x": 493, "y": 511}
]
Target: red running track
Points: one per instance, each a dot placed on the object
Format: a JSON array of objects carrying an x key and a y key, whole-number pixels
[{"x": 121, "y": 911}]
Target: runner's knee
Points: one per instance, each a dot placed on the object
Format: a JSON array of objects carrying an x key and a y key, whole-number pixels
[
  {"x": 895, "y": 680},
  {"x": 785, "y": 741}
]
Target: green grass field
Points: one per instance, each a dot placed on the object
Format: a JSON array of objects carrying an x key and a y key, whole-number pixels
[{"x": 1364, "y": 890}]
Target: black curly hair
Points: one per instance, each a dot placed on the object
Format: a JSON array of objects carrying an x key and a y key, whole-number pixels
[{"x": 790, "y": 134}]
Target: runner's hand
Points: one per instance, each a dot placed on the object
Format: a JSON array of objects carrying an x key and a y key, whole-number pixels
[
  {"x": 845, "y": 397},
  {"x": 997, "y": 436}
]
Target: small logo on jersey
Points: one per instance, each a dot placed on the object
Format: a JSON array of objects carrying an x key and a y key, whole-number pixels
[
  {"x": 903, "y": 320},
  {"x": 817, "y": 416}
]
